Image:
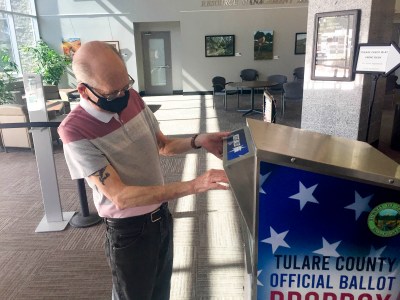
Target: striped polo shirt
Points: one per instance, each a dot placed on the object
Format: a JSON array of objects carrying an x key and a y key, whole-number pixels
[{"x": 93, "y": 139}]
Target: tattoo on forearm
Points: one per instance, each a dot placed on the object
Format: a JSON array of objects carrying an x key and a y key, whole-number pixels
[{"x": 102, "y": 174}]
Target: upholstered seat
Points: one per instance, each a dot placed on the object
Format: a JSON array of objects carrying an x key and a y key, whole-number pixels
[
  {"x": 280, "y": 80},
  {"x": 291, "y": 91},
  {"x": 15, "y": 137},
  {"x": 21, "y": 137},
  {"x": 219, "y": 89}
]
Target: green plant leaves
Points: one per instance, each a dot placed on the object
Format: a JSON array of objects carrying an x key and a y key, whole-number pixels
[
  {"x": 48, "y": 63},
  {"x": 8, "y": 69}
]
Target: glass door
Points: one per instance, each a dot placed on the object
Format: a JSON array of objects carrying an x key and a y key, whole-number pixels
[{"x": 157, "y": 62}]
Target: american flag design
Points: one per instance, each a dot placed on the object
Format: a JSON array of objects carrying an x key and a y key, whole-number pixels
[{"x": 315, "y": 241}]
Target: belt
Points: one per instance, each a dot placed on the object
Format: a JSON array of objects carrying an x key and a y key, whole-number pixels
[{"x": 152, "y": 217}]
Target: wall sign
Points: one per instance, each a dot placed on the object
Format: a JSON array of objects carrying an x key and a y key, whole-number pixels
[
  {"x": 380, "y": 59},
  {"x": 335, "y": 38}
]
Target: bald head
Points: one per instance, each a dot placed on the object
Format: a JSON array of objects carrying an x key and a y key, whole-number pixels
[{"x": 98, "y": 64}]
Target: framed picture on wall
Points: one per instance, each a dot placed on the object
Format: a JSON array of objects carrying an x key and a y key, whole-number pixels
[
  {"x": 70, "y": 46},
  {"x": 220, "y": 45},
  {"x": 335, "y": 40},
  {"x": 115, "y": 44},
  {"x": 263, "y": 44},
  {"x": 300, "y": 43}
]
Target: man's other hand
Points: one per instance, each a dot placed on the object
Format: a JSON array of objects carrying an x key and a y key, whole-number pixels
[{"x": 211, "y": 180}]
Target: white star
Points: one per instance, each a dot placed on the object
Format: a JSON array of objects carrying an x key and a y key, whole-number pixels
[
  {"x": 276, "y": 239},
  {"x": 360, "y": 204},
  {"x": 258, "y": 281},
  {"x": 305, "y": 195},
  {"x": 263, "y": 178},
  {"x": 328, "y": 249},
  {"x": 376, "y": 252}
]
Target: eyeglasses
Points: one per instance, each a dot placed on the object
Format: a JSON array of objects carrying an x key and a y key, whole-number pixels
[{"x": 113, "y": 95}]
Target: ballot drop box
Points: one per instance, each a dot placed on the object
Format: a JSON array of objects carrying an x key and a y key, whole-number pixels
[{"x": 320, "y": 214}]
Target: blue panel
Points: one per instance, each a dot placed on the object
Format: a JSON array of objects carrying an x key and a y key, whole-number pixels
[
  {"x": 322, "y": 237},
  {"x": 237, "y": 145}
]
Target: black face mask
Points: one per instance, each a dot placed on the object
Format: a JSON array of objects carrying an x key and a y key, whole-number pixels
[{"x": 116, "y": 106}]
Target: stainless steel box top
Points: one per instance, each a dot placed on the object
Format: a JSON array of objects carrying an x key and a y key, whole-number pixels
[{"x": 323, "y": 153}]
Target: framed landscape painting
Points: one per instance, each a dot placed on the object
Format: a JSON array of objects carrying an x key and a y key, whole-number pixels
[
  {"x": 300, "y": 44},
  {"x": 263, "y": 44},
  {"x": 220, "y": 45},
  {"x": 70, "y": 46}
]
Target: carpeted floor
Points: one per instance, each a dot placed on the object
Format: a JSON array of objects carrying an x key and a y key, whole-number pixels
[{"x": 71, "y": 264}]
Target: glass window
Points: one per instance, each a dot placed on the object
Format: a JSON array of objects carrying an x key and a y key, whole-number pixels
[
  {"x": 25, "y": 35},
  {"x": 21, "y": 6},
  {"x": 5, "y": 40},
  {"x": 157, "y": 62},
  {"x": 18, "y": 27},
  {"x": 3, "y": 4}
]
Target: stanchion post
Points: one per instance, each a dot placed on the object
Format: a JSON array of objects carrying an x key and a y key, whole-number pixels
[
  {"x": 84, "y": 218},
  {"x": 54, "y": 219}
]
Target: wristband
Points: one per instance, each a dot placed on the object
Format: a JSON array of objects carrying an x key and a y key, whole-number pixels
[{"x": 192, "y": 143}]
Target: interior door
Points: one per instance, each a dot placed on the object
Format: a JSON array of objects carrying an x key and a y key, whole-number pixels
[{"x": 157, "y": 62}]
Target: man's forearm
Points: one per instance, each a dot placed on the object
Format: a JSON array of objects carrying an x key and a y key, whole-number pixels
[
  {"x": 133, "y": 196},
  {"x": 179, "y": 145}
]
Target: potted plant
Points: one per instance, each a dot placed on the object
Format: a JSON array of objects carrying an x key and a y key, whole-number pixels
[
  {"x": 48, "y": 63},
  {"x": 8, "y": 70}
]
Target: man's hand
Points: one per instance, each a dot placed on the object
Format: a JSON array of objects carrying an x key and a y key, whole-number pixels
[
  {"x": 210, "y": 180},
  {"x": 212, "y": 142}
]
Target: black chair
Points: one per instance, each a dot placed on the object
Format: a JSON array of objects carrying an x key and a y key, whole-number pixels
[
  {"x": 298, "y": 74},
  {"x": 277, "y": 89},
  {"x": 291, "y": 91},
  {"x": 248, "y": 75},
  {"x": 219, "y": 89}
]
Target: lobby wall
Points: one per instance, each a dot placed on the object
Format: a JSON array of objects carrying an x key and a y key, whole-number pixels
[
  {"x": 87, "y": 21},
  {"x": 243, "y": 23},
  {"x": 190, "y": 21}
]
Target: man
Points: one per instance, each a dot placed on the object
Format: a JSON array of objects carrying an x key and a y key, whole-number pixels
[{"x": 113, "y": 140}]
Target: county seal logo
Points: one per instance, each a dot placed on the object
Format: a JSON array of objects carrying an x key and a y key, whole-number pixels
[{"x": 384, "y": 219}]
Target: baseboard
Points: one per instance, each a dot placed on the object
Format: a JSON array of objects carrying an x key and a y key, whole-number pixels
[
  {"x": 175, "y": 92},
  {"x": 181, "y": 92},
  {"x": 198, "y": 93}
]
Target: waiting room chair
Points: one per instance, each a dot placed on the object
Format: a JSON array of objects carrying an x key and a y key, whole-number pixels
[
  {"x": 298, "y": 74},
  {"x": 219, "y": 89},
  {"x": 248, "y": 75},
  {"x": 15, "y": 137},
  {"x": 21, "y": 137},
  {"x": 52, "y": 94},
  {"x": 291, "y": 91},
  {"x": 277, "y": 89}
]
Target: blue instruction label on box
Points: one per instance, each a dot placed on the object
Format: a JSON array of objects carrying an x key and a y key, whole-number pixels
[{"x": 237, "y": 145}]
